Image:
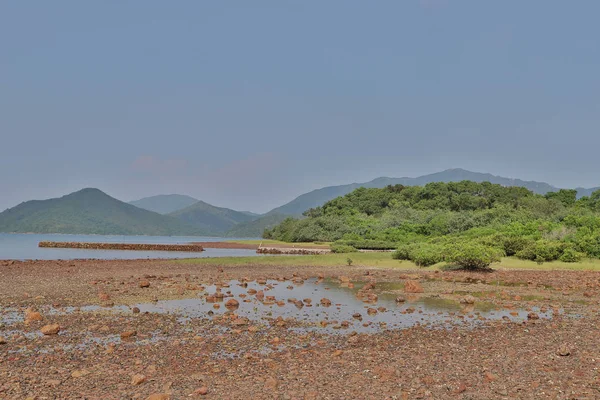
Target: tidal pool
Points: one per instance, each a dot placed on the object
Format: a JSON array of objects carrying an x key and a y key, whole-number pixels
[
  {"x": 321, "y": 305},
  {"x": 302, "y": 303}
]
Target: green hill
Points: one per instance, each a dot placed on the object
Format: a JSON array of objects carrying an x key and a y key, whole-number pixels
[
  {"x": 89, "y": 211},
  {"x": 164, "y": 203},
  {"x": 211, "y": 220},
  {"x": 464, "y": 222},
  {"x": 320, "y": 196}
]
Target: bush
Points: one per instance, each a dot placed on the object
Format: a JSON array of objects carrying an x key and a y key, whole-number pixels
[
  {"x": 342, "y": 248},
  {"x": 571, "y": 256},
  {"x": 403, "y": 252},
  {"x": 513, "y": 244},
  {"x": 426, "y": 255},
  {"x": 542, "y": 251},
  {"x": 473, "y": 256}
]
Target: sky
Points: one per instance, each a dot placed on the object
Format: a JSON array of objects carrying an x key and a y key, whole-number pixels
[{"x": 248, "y": 104}]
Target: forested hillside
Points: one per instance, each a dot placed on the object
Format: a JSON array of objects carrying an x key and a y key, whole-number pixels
[
  {"x": 438, "y": 221},
  {"x": 89, "y": 211}
]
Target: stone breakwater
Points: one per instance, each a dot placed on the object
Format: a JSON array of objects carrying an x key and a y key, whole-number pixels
[
  {"x": 123, "y": 246},
  {"x": 291, "y": 250}
]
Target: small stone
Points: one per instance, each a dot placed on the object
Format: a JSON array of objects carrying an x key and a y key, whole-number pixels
[
  {"x": 2, "y": 340},
  {"x": 138, "y": 379},
  {"x": 325, "y": 302},
  {"x": 468, "y": 299},
  {"x": 338, "y": 353},
  {"x": 413, "y": 287},
  {"x": 144, "y": 284},
  {"x": 400, "y": 299},
  {"x": 232, "y": 303},
  {"x": 135, "y": 310},
  {"x": 51, "y": 329},
  {"x": 159, "y": 396},
  {"x": 533, "y": 315},
  {"x": 31, "y": 316},
  {"x": 128, "y": 334},
  {"x": 79, "y": 373},
  {"x": 201, "y": 391},
  {"x": 490, "y": 377},
  {"x": 563, "y": 351}
]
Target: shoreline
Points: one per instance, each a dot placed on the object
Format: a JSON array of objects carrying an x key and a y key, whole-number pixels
[{"x": 94, "y": 304}]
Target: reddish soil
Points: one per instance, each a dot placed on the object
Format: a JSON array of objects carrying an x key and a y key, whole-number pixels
[{"x": 229, "y": 358}]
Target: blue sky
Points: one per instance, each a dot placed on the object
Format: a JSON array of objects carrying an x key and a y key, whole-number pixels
[{"x": 247, "y": 104}]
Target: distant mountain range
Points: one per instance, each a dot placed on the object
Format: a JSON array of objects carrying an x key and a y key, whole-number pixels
[
  {"x": 213, "y": 220},
  {"x": 92, "y": 211},
  {"x": 321, "y": 196},
  {"x": 165, "y": 203}
]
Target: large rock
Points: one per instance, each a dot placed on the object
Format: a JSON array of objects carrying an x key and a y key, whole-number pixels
[{"x": 413, "y": 287}]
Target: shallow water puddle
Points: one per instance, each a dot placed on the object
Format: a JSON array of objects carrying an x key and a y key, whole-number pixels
[
  {"x": 323, "y": 306},
  {"x": 308, "y": 305}
]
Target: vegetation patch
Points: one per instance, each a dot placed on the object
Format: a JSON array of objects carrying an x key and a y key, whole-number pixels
[{"x": 466, "y": 224}]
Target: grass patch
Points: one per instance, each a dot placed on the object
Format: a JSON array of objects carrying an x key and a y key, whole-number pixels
[{"x": 384, "y": 260}]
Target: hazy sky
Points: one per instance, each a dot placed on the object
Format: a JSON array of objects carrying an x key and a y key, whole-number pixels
[{"x": 247, "y": 104}]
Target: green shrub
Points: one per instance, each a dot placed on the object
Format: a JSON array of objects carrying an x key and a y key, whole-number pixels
[
  {"x": 571, "y": 255},
  {"x": 427, "y": 254},
  {"x": 342, "y": 248},
  {"x": 473, "y": 255},
  {"x": 542, "y": 251},
  {"x": 513, "y": 244},
  {"x": 403, "y": 252}
]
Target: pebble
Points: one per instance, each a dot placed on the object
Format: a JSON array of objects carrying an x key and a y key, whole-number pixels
[{"x": 51, "y": 329}]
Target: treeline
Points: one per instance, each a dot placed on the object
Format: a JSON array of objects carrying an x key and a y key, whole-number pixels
[{"x": 454, "y": 221}]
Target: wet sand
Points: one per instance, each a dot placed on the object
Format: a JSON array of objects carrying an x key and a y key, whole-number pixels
[{"x": 131, "y": 329}]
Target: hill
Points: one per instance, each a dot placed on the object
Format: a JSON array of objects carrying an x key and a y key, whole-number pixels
[
  {"x": 89, "y": 211},
  {"x": 255, "y": 228},
  {"x": 467, "y": 223},
  {"x": 214, "y": 221},
  {"x": 164, "y": 203},
  {"x": 320, "y": 196}
]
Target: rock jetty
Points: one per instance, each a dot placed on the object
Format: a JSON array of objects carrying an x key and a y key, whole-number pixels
[{"x": 123, "y": 246}]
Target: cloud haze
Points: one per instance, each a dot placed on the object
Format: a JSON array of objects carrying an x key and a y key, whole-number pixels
[{"x": 249, "y": 104}]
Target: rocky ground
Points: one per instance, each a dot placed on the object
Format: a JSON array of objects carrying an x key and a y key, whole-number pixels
[{"x": 54, "y": 346}]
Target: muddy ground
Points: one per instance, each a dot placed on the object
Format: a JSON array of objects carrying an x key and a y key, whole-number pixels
[{"x": 115, "y": 352}]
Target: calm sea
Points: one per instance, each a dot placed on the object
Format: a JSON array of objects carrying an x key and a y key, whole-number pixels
[{"x": 17, "y": 246}]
